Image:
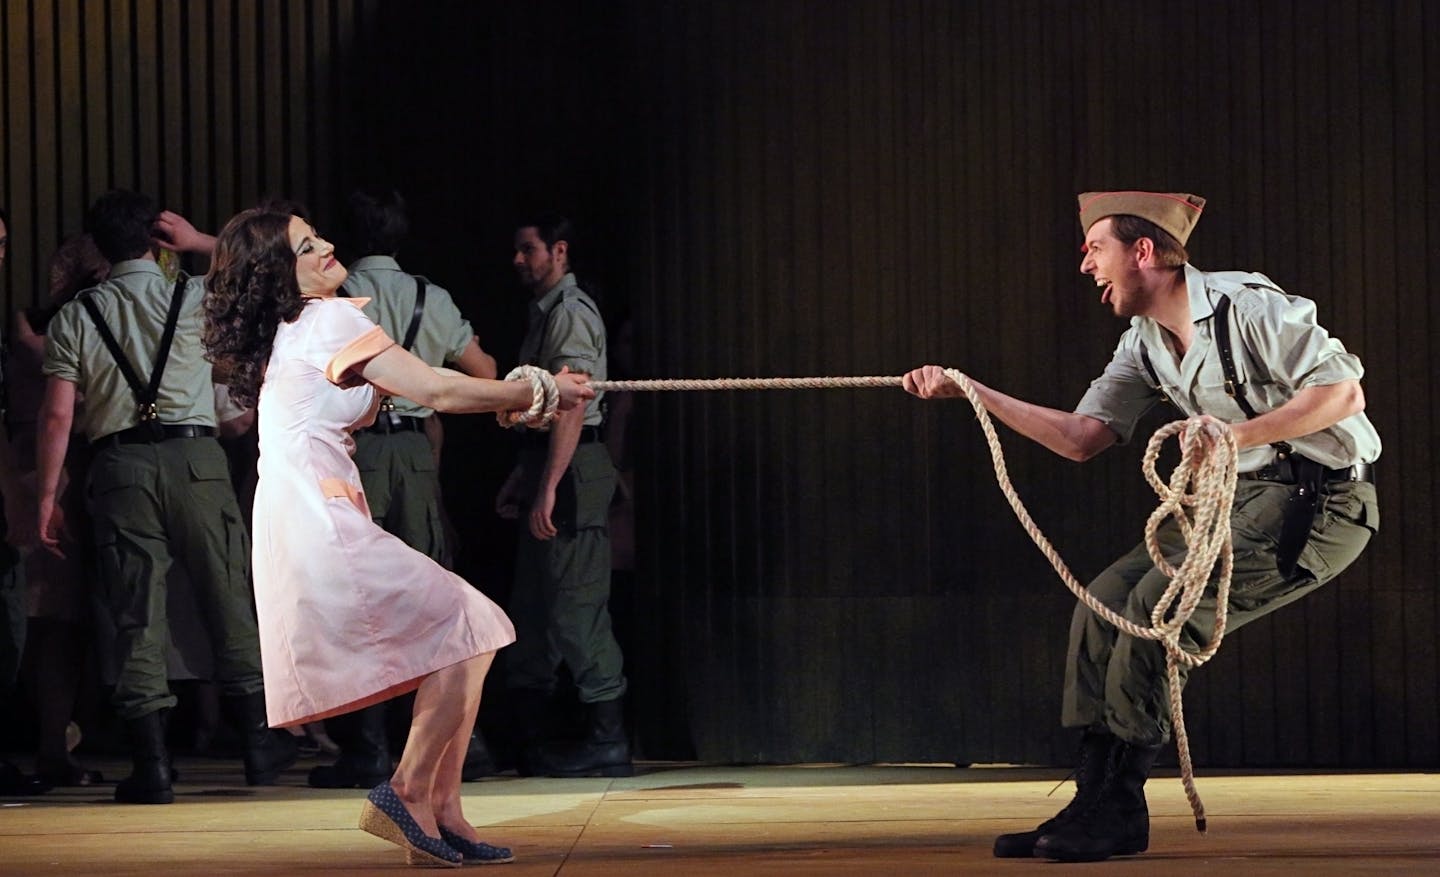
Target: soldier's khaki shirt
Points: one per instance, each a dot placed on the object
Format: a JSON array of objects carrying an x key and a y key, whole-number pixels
[
  {"x": 1279, "y": 350},
  {"x": 566, "y": 329},
  {"x": 443, "y": 334},
  {"x": 134, "y": 302}
]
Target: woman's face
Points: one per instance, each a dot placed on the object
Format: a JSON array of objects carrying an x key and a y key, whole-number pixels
[
  {"x": 317, "y": 271},
  {"x": 4, "y": 241}
]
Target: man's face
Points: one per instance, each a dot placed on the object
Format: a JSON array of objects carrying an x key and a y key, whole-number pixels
[
  {"x": 1116, "y": 270},
  {"x": 538, "y": 266},
  {"x": 4, "y": 241}
]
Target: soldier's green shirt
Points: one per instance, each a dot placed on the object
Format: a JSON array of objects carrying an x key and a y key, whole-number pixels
[
  {"x": 134, "y": 302},
  {"x": 1279, "y": 350},
  {"x": 443, "y": 334},
  {"x": 566, "y": 329}
]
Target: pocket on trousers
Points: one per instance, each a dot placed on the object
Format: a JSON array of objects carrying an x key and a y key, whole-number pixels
[
  {"x": 210, "y": 468},
  {"x": 1259, "y": 511},
  {"x": 111, "y": 477},
  {"x": 594, "y": 484},
  {"x": 422, "y": 462}
]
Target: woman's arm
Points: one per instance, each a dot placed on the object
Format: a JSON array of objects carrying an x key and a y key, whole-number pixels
[{"x": 400, "y": 373}]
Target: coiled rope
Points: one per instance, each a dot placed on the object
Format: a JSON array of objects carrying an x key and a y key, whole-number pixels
[{"x": 1203, "y": 483}]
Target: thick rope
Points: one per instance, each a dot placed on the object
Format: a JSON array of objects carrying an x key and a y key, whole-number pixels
[
  {"x": 744, "y": 384},
  {"x": 544, "y": 395},
  {"x": 1202, "y": 482}
]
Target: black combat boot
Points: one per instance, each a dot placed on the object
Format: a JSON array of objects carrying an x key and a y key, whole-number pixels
[
  {"x": 1117, "y": 822},
  {"x": 267, "y": 752},
  {"x": 149, "y": 781},
  {"x": 605, "y": 750},
  {"x": 364, "y": 760},
  {"x": 1095, "y": 749}
]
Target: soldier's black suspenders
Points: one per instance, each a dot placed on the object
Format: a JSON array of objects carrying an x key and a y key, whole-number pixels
[
  {"x": 145, "y": 394},
  {"x": 1304, "y": 500},
  {"x": 387, "y": 403}
]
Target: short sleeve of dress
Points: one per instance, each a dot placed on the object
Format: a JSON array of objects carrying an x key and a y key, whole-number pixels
[{"x": 343, "y": 338}]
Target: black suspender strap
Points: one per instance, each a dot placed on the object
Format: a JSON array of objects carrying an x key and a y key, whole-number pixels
[
  {"x": 145, "y": 394},
  {"x": 1227, "y": 356},
  {"x": 1233, "y": 389},
  {"x": 414, "y": 329},
  {"x": 1149, "y": 367},
  {"x": 387, "y": 403}
]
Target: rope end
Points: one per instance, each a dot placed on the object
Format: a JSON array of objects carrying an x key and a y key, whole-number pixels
[{"x": 1200, "y": 824}]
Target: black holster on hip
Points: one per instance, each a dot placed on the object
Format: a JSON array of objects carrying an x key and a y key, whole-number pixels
[{"x": 1300, "y": 511}]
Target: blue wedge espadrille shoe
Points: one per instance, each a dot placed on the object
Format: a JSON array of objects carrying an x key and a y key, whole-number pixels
[
  {"x": 384, "y": 815},
  {"x": 476, "y": 852}
]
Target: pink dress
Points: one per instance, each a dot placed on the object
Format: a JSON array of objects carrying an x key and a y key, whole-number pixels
[{"x": 349, "y": 615}]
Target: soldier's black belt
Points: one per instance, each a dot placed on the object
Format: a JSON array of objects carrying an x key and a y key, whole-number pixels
[
  {"x": 149, "y": 434},
  {"x": 1289, "y": 471},
  {"x": 1309, "y": 479},
  {"x": 387, "y": 422}
]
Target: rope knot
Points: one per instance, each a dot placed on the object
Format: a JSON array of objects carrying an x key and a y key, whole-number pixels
[{"x": 544, "y": 402}]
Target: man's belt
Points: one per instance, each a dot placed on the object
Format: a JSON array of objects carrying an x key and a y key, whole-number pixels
[
  {"x": 152, "y": 433},
  {"x": 532, "y": 438},
  {"x": 1288, "y": 471},
  {"x": 1309, "y": 479},
  {"x": 387, "y": 422}
]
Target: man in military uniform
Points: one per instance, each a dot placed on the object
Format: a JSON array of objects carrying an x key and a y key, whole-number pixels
[
  {"x": 1227, "y": 346},
  {"x": 398, "y": 456},
  {"x": 159, "y": 488},
  {"x": 564, "y": 480}
]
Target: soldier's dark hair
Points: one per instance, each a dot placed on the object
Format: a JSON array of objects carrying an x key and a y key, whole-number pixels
[
  {"x": 120, "y": 223},
  {"x": 552, "y": 227},
  {"x": 377, "y": 222}
]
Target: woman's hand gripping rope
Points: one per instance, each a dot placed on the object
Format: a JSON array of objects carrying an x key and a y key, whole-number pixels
[{"x": 550, "y": 395}]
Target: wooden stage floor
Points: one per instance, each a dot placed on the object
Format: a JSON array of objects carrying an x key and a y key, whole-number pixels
[{"x": 683, "y": 819}]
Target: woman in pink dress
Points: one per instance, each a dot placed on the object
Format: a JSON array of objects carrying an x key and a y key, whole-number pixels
[{"x": 350, "y": 615}]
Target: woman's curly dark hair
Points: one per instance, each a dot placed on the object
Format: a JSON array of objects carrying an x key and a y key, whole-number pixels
[{"x": 249, "y": 292}]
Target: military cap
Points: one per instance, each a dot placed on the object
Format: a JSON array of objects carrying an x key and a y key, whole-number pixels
[{"x": 1175, "y": 212}]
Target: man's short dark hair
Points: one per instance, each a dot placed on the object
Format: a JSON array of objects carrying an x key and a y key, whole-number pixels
[
  {"x": 377, "y": 221},
  {"x": 1169, "y": 253},
  {"x": 552, "y": 227},
  {"x": 120, "y": 222}
]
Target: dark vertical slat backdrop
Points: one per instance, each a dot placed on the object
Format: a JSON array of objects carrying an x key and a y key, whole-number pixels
[{"x": 835, "y": 188}]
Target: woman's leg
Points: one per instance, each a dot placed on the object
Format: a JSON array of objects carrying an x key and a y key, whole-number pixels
[
  {"x": 445, "y": 789},
  {"x": 445, "y": 707}
]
